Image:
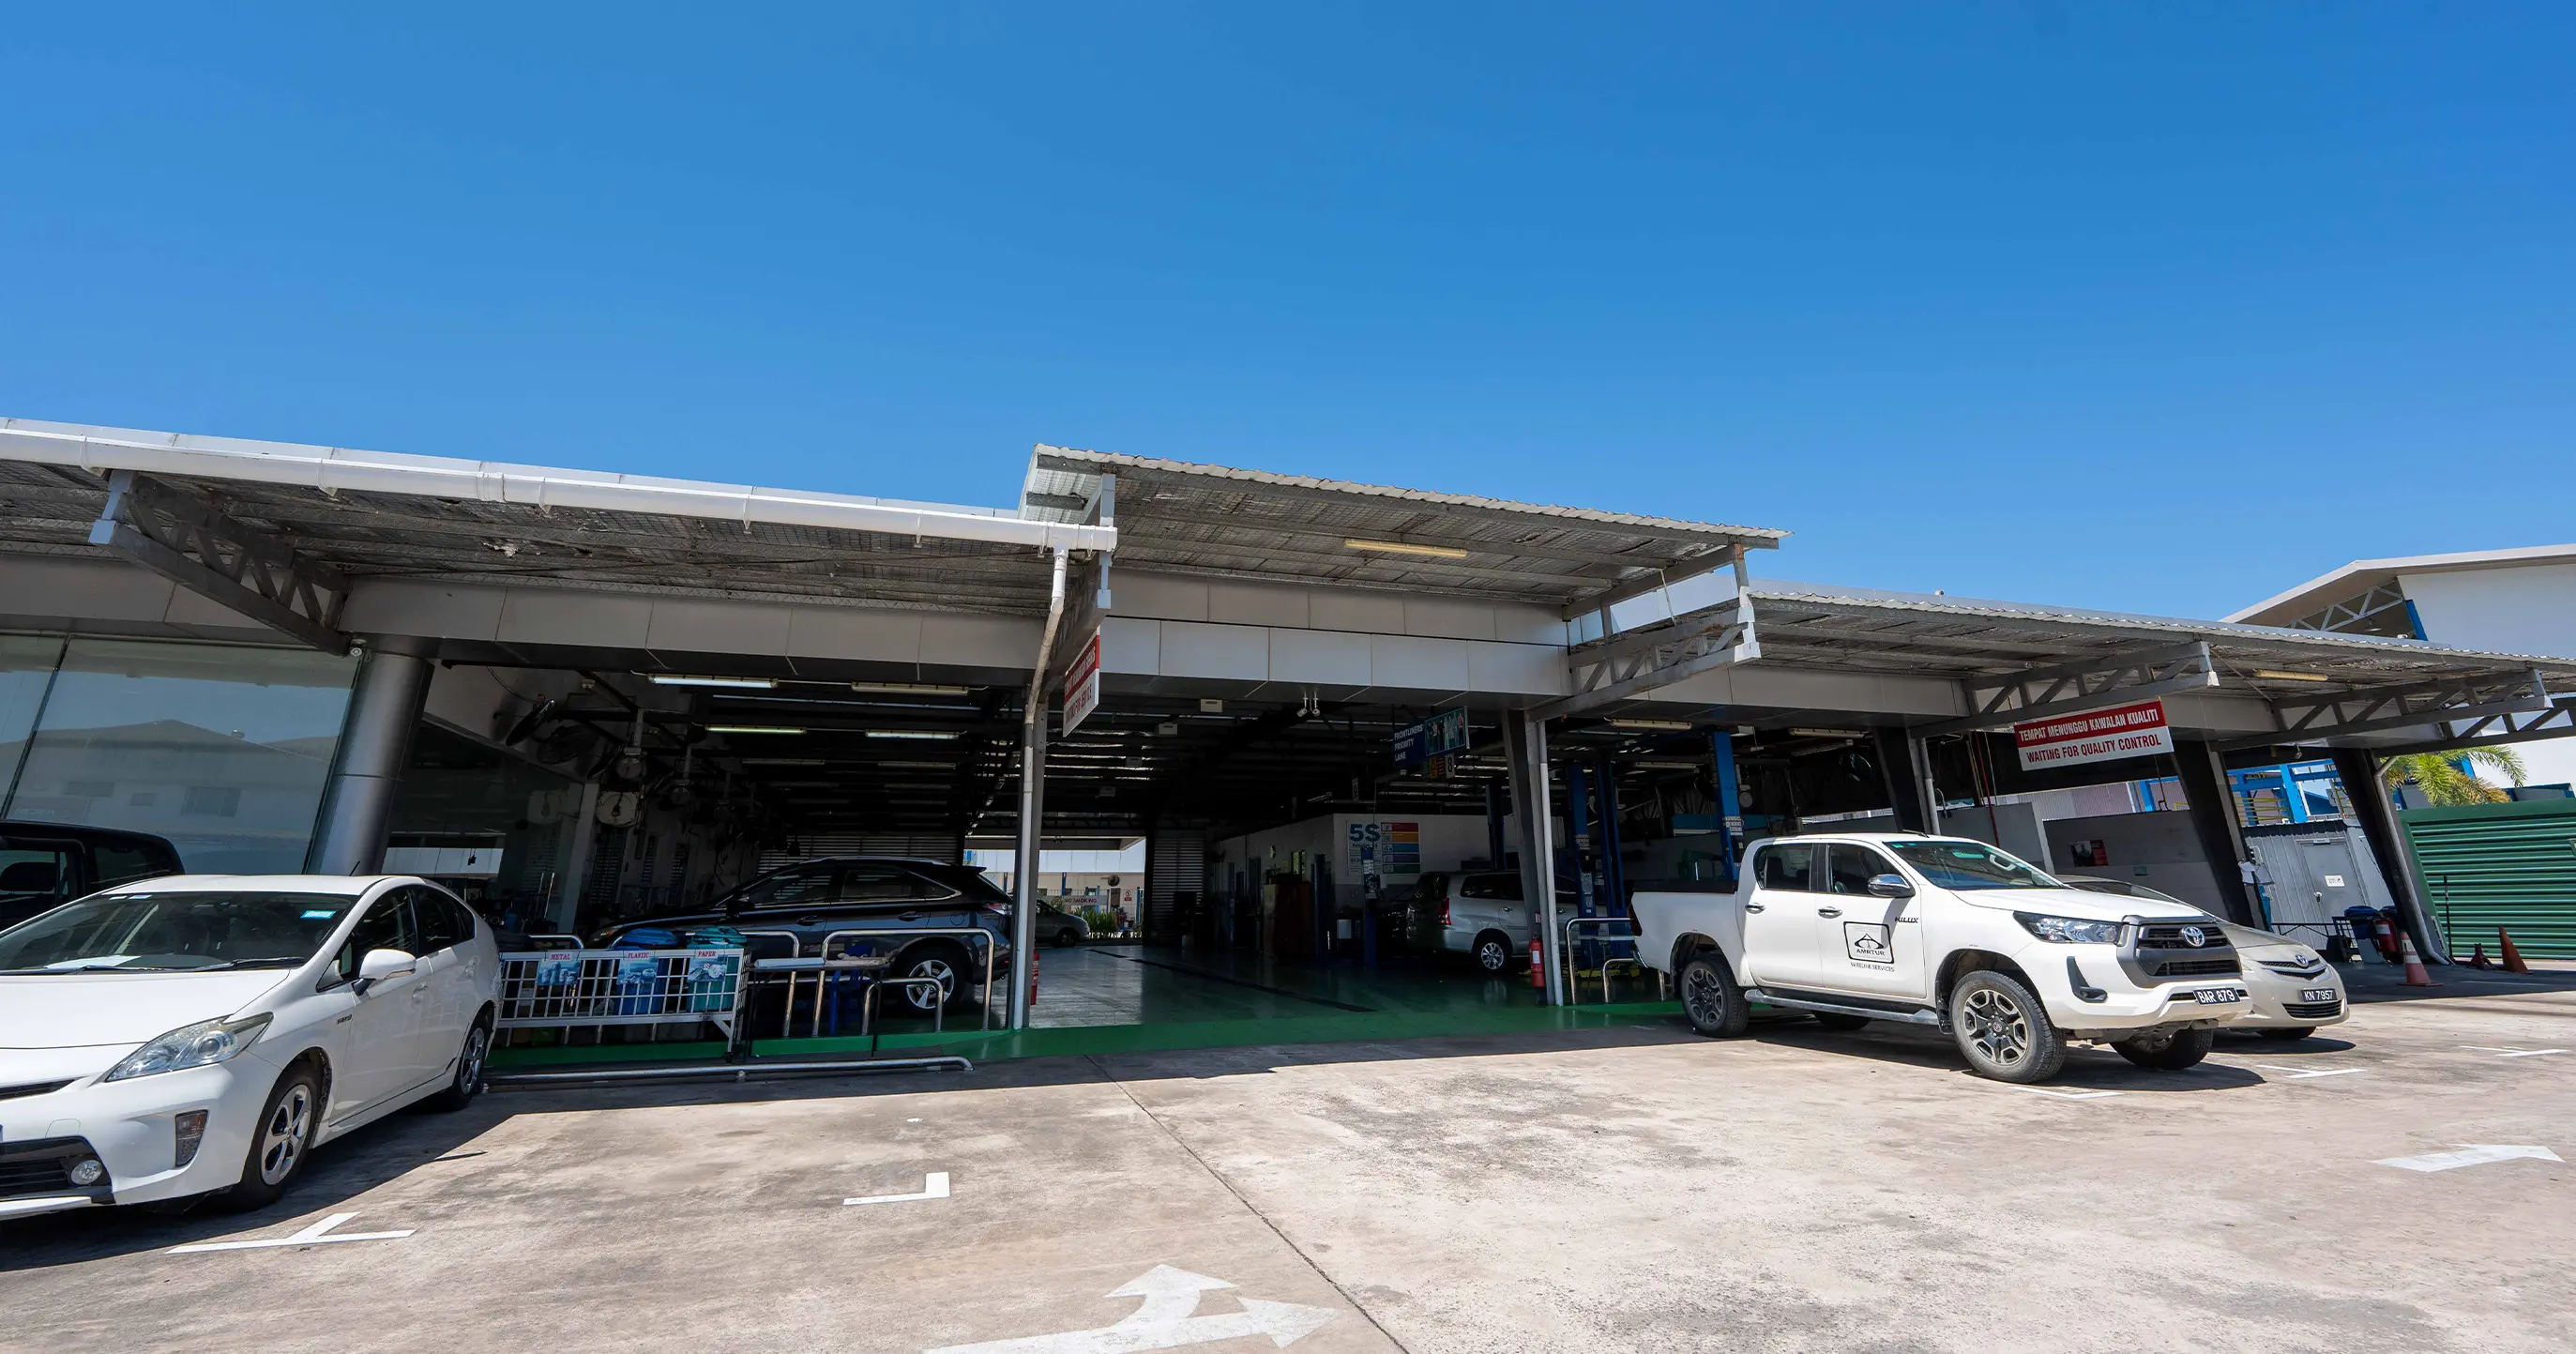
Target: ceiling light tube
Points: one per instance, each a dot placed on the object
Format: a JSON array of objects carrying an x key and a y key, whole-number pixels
[
  {"x": 910, "y": 733},
  {"x": 1669, "y": 725},
  {"x": 912, "y": 689},
  {"x": 685, "y": 679},
  {"x": 753, "y": 728},
  {"x": 1404, "y": 548}
]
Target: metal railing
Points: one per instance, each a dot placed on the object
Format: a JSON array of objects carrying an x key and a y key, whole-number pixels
[
  {"x": 989, "y": 945},
  {"x": 576, "y": 988},
  {"x": 1573, "y": 992}
]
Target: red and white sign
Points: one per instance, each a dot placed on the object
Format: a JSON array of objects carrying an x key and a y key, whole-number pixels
[
  {"x": 2094, "y": 736},
  {"x": 1082, "y": 685}
]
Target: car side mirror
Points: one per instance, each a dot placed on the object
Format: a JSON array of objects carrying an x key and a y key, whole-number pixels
[
  {"x": 1889, "y": 886},
  {"x": 379, "y": 965}
]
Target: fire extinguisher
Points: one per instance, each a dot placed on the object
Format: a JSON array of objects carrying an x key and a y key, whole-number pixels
[
  {"x": 1035, "y": 959},
  {"x": 1538, "y": 966}
]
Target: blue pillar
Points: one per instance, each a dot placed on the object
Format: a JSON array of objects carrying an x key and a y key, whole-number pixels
[
  {"x": 1614, "y": 872},
  {"x": 1730, "y": 803},
  {"x": 1578, "y": 826}
]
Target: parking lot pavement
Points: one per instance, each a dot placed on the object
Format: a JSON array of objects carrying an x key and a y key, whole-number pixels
[{"x": 1634, "y": 1189}]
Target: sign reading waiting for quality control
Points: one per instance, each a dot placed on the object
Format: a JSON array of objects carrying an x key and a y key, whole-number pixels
[
  {"x": 2094, "y": 736},
  {"x": 1082, "y": 685}
]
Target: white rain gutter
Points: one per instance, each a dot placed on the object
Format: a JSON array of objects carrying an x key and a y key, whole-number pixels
[
  {"x": 1024, "y": 865},
  {"x": 337, "y": 469}
]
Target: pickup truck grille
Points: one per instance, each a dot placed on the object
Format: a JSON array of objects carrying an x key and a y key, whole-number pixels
[
  {"x": 2162, "y": 953},
  {"x": 2223, "y": 966}
]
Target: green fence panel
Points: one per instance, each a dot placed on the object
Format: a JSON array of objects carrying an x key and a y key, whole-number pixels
[{"x": 2486, "y": 866}]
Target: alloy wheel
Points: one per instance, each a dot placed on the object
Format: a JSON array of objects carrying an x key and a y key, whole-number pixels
[
  {"x": 1997, "y": 1026},
  {"x": 1492, "y": 957},
  {"x": 469, "y": 1066},
  {"x": 281, "y": 1142},
  {"x": 931, "y": 968},
  {"x": 1701, "y": 994}
]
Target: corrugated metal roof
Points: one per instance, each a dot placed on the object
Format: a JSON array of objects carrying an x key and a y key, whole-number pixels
[{"x": 1259, "y": 525}]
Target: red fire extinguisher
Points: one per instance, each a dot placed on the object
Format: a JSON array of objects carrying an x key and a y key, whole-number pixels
[
  {"x": 1035, "y": 959},
  {"x": 1538, "y": 966}
]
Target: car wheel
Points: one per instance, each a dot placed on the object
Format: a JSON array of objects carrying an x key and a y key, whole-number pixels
[
  {"x": 468, "y": 1081},
  {"x": 279, "y": 1141},
  {"x": 1711, "y": 1000},
  {"x": 1836, "y": 1020},
  {"x": 1494, "y": 952},
  {"x": 1068, "y": 936},
  {"x": 2301, "y": 1032},
  {"x": 2169, "y": 1052},
  {"x": 2002, "y": 1029},
  {"x": 943, "y": 962}
]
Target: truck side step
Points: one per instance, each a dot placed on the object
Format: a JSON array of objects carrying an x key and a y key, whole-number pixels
[{"x": 1800, "y": 1001}]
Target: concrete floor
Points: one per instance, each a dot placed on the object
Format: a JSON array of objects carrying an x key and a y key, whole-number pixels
[
  {"x": 1621, "y": 1189},
  {"x": 1122, "y": 984}
]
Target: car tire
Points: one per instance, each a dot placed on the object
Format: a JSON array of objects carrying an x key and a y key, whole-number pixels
[
  {"x": 1836, "y": 1020},
  {"x": 2169, "y": 1052},
  {"x": 2003, "y": 1031},
  {"x": 461, "y": 1088},
  {"x": 1493, "y": 953},
  {"x": 1068, "y": 936},
  {"x": 936, "y": 960},
  {"x": 280, "y": 1140},
  {"x": 2301, "y": 1032},
  {"x": 1712, "y": 1001}
]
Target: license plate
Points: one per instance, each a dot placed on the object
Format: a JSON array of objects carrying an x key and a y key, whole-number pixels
[
  {"x": 2216, "y": 996},
  {"x": 2318, "y": 994}
]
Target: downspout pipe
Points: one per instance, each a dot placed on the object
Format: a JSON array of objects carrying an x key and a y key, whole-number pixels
[{"x": 1024, "y": 863}]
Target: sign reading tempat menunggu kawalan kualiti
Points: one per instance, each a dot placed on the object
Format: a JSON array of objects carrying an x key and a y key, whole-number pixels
[
  {"x": 2133, "y": 730},
  {"x": 1438, "y": 736}
]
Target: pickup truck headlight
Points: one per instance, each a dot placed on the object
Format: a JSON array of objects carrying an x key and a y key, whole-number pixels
[
  {"x": 2069, "y": 930},
  {"x": 200, "y": 1045}
]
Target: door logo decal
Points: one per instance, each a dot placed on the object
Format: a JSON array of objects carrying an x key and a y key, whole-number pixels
[{"x": 1868, "y": 943}]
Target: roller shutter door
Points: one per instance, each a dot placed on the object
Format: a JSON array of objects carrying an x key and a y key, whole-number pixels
[{"x": 1175, "y": 865}]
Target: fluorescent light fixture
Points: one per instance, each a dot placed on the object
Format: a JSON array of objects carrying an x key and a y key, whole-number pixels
[
  {"x": 1404, "y": 548},
  {"x": 753, "y": 728},
  {"x": 918, "y": 766},
  {"x": 912, "y": 689},
  {"x": 1670, "y": 725},
  {"x": 2292, "y": 676},
  {"x": 684, "y": 679},
  {"x": 782, "y": 761},
  {"x": 1829, "y": 733},
  {"x": 1669, "y": 766},
  {"x": 910, "y": 733}
]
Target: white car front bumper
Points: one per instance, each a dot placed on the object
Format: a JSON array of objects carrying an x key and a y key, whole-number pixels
[{"x": 129, "y": 1127}]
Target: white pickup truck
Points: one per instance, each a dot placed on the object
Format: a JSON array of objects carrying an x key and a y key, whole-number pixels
[{"x": 1951, "y": 933}]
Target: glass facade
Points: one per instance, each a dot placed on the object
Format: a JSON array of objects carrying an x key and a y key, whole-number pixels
[{"x": 222, "y": 750}]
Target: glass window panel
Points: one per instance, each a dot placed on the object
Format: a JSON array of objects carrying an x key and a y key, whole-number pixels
[
  {"x": 26, "y": 664},
  {"x": 221, "y": 750}
]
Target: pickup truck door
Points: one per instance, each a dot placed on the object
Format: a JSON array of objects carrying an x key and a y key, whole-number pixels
[
  {"x": 1784, "y": 894},
  {"x": 1874, "y": 947}
]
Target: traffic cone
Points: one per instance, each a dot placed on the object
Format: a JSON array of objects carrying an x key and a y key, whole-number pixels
[
  {"x": 2512, "y": 957},
  {"x": 2415, "y": 974},
  {"x": 2478, "y": 958}
]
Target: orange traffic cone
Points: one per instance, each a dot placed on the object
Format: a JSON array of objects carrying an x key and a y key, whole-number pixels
[
  {"x": 2478, "y": 958},
  {"x": 2512, "y": 957},
  {"x": 2415, "y": 974}
]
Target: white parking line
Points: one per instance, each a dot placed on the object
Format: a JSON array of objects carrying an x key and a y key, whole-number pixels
[
  {"x": 319, "y": 1234},
  {"x": 2303, "y": 1073},
  {"x": 934, "y": 1186},
  {"x": 2470, "y": 1154},
  {"x": 2514, "y": 1052},
  {"x": 2064, "y": 1095}
]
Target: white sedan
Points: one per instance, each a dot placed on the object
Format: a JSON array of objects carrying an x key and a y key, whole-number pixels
[{"x": 196, "y": 1034}]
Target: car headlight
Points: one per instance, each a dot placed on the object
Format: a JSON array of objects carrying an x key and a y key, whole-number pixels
[
  {"x": 2069, "y": 930},
  {"x": 200, "y": 1045}
]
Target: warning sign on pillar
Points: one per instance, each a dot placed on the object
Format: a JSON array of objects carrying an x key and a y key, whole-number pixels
[
  {"x": 1082, "y": 684},
  {"x": 2094, "y": 736}
]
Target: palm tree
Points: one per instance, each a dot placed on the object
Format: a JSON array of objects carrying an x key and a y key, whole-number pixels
[{"x": 2444, "y": 783}]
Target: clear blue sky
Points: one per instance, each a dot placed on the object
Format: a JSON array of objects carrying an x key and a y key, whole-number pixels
[{"x": 2157, "y": 307}]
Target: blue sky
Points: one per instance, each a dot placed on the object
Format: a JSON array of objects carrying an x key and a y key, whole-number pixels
[{"x": 2157, "y": 307}]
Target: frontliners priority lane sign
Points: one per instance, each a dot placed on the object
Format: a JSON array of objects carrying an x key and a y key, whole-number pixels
[{"x": 2094, "y": 736}]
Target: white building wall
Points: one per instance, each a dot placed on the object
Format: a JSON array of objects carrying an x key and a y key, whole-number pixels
[{"x": 2528, "y": 610}]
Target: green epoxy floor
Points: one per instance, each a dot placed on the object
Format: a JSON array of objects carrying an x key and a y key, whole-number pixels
[{"x": 1132, "y": 998}]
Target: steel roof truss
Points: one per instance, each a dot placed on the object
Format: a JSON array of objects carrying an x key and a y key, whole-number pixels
[
  {"x": 1630, "y": 665},
  {"x": 185, "y": 539},
  {"x": 2075, "y": 687},
  {"x": 2444, "y": 703}
]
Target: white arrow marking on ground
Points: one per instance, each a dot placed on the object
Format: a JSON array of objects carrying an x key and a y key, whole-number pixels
[
  {"x": 2063, "y": 1095},
  {"x": 2302, "y": 1073},
  {"x": 2514, "y": 1052},
  {"x": 2470, "y": 1154},
  {"x": 1165, "y": 1321},
  {"x": 933, "y": 1186},
  {"x": 316, "y": 1235}
]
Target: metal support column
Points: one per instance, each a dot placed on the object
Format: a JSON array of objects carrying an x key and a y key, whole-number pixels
[
  {"x": 1730, "y": 804},
  {"x": 1525, "y": 741},
  {"x": 2358, "y": 768},
  {"x": 1494, "y": 848},
  {"x": 384, "y": 708},
  {"x": 1612, "y": 900},
  {"x": 1904, "y": 765},
  {"x": 2213, "y": 820},
  {"x": 1578, "y": 833}
]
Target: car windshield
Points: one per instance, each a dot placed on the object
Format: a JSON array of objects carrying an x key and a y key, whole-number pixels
[
  {"x": 174, "y": 931},
  {"x": 1966, "y": 866}
]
